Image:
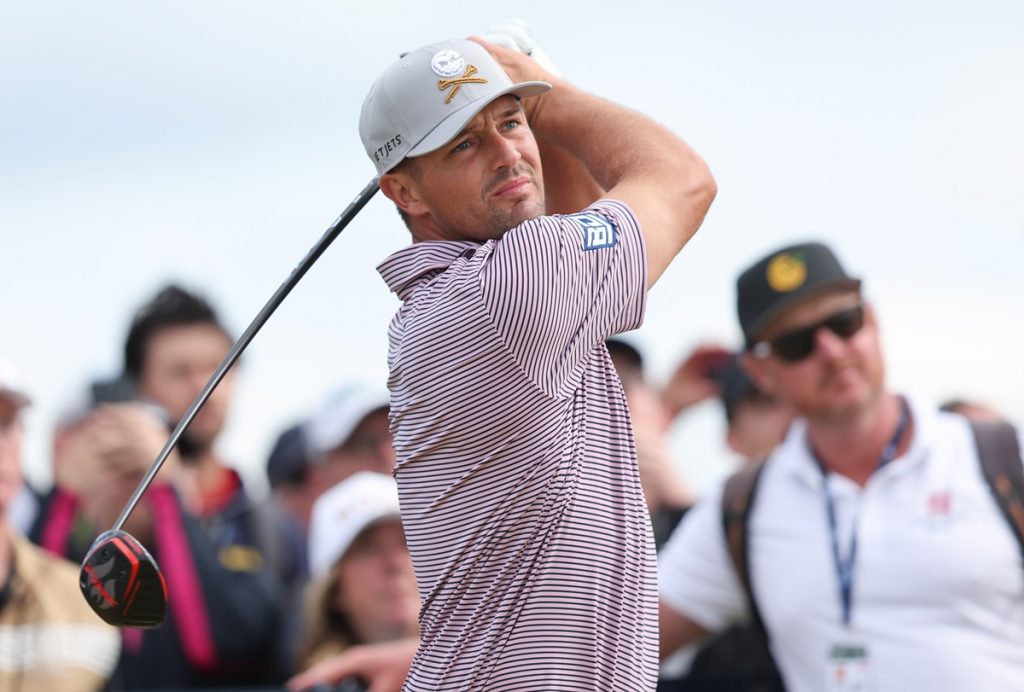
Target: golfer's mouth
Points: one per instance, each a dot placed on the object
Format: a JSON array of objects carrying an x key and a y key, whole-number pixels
[{"x": 513, "y": 187}]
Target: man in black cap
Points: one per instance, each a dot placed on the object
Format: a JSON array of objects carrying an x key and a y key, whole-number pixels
[{"x": 877, "y": 557}]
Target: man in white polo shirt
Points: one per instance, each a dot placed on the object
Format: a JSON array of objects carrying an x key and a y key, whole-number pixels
[
  {"x": 877, "y": 555},
  {"x": 518, "y": 480}
]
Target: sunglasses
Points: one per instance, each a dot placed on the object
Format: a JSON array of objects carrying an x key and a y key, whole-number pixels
[{"x": 794, "y": 346}]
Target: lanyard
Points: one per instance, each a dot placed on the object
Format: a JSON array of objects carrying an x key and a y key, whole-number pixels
[{"x": 844, "y": 568}]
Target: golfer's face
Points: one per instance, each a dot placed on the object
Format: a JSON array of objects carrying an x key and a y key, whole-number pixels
[{"x": 487, "y": 179}]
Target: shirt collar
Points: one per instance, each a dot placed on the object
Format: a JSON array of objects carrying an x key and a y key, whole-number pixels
[{"x": 405, "y": 269}]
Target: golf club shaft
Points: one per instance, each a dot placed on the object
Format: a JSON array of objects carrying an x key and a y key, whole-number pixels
[{"x": 236, "y": 350}]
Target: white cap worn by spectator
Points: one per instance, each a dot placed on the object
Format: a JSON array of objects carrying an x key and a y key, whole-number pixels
[
  {"x": 333, "y": 423},
  {"x": 344, "y": 512}
]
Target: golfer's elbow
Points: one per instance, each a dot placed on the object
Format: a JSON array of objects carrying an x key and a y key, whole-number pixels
[{"x": 697, "y": 188}]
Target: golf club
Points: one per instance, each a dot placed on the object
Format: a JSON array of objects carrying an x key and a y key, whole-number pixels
[{"x": 120, "y": 579}]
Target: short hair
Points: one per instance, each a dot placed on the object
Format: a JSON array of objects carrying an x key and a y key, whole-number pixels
[{"x": 172, "y": 306}]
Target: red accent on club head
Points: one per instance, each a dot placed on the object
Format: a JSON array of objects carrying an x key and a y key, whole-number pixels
[
  {"x": 97, "y": 585},
  {"x": 129, "y": 550}
]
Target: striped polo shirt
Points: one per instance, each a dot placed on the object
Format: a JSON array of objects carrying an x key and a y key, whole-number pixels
[{"x": 517, "y": 474}]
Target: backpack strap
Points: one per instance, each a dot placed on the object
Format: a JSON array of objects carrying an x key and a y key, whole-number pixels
[
  {"x": 737, "y": 502},
  {"x": 1000, "y": 457}
]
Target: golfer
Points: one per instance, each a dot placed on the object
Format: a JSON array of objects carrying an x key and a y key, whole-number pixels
[{"x": 516, "y": 469}]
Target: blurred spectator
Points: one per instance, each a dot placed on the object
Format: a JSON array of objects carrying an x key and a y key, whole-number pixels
[
  {"x": 222, "y": 618},
  {"x": 666, "y": 491},
  {"x": 227, "y": 559},
  {"x": 49, "y": 637},
  {"x": 696, "y": 379},
  {"x": 174, "y": 344},
  {"x": 874, "y": 552},
  {"x": 628, "y": 362},
  {"x": 173, "y": 347},
  {"x": 348, "y": 433},
  {"x": 287, "y": 471},
  {"x": 734, "y": 659},
  {"x": 756, "y": 422},
  {"x": 364, "y": 588}
]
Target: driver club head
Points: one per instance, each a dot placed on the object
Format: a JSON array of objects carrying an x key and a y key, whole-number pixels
[{"x": 122, "y": 583}]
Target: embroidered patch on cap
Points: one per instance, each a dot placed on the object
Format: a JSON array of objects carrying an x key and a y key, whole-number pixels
[
  {"x": 447, "y": 63},
  {"x": 598, "y": 232},
  {"x": 787, "y": 272}
]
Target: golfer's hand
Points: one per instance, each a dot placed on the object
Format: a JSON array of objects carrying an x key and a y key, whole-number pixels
[
  {"x": 381, "y": 666},
  {"x": 515, "y": 34},
  {"x": 520, "y": 67}
]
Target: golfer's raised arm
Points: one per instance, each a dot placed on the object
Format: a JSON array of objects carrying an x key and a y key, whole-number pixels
[{"x": 637, "y": 160}]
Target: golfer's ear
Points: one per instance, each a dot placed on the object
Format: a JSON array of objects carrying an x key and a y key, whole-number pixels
[{"x": 401, "y": 188}]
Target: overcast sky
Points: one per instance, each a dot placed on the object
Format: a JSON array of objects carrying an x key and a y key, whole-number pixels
[{"x": 211, "y": 143}]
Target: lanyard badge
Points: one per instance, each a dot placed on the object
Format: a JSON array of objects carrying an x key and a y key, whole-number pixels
[{"x": 848, "y": 669}]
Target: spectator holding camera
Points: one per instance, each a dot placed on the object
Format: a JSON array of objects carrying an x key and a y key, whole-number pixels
[
  {"x": 49, "y": 637},
  {"x": 210, "y": 540}
]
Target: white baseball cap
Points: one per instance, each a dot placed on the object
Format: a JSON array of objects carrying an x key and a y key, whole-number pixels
[
  {"x": 11, "y": 386},
  {"x": 422, "y": 101},
  {"x": 332, "y": 424},
  {"x": 344, "y": 512}
]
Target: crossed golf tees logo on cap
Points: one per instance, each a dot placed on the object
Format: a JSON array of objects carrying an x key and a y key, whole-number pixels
[{"x": 449, "y": 63}]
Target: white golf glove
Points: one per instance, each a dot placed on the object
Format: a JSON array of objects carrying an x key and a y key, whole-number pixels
[{"x": 514, "y": 34}]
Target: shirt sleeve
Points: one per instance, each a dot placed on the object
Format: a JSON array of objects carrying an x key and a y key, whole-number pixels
[
  {"x": 695, "y": 573},
  {"x": 557, "y": 286}
]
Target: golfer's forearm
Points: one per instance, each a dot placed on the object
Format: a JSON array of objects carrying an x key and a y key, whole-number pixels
[
  {"x": 637, "y": 160},
  {"x": 616, "y": 143},
  {"x": 568, "y": 186}
]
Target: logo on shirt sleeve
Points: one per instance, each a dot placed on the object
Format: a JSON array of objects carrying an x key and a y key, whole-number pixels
[{"x": 598, "y": 232}]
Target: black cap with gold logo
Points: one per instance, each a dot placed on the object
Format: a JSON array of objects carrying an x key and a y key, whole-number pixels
[{"x": 783, "y": 280}]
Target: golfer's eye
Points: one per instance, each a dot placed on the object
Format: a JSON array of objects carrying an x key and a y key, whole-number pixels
[
  {"x": 461, "y": 146},
  {"x": 513, "y": 124}
]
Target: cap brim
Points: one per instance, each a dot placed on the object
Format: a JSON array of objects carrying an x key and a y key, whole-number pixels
[
  {"x": 451, "y": 126},
  {"x": 322, "y": 563},
  {"x": 758, "y": 327},
  {"x": 329, "y": 429}
]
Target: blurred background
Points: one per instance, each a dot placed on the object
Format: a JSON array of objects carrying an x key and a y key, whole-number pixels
[{"x": 211, "y": 143}]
